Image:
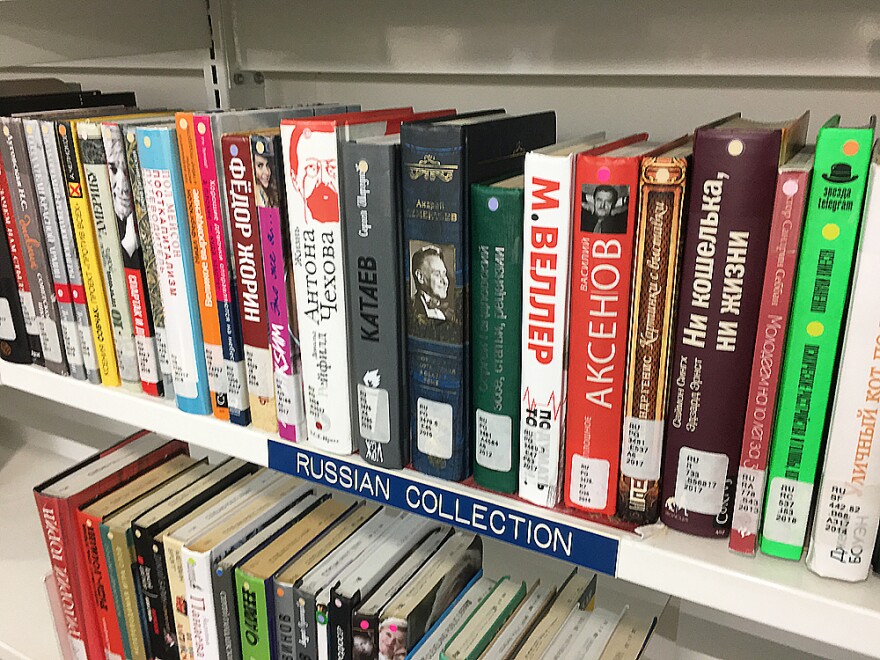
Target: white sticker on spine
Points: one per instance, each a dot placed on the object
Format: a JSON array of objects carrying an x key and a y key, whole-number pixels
[
  {"x": 788, "y": 509},
  {"x": 749, "y": 498},
  {"x": 29, "y": 312},
  {"x": 434, "y": 436},
  {"x": 70, "y": 331},
  {"x": 217, "y": 380},
  {"x": 87, "y": 343},
  {"x": 260, "y": 379},
  {"x": 148, "y": 363},
  {"x": 699, "y": 482},
  {"x": 50, "y": 341},
  {"x": 288, "y": 399},
  {"x": 162, "y": 347},
  {"x": 236, "y": 375},
  {"x": 7, "y": 327},
  {"x": 494, "y": 439},
  {"x": 374, "y": 413},
  {"x": 589, "y": 482},
  {"x": 642, "y": 448},
  {"x": 845, "y": 524}
]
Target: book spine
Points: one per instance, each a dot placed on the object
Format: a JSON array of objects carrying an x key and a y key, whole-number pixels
[
  {"x": 148, "y": 255},
  {"x": 115, "y": 589},
  {"x": 162, "y": 607},
  {"x": 253, "y": 618},
  {"x": 173, "y": 549},
  {"x": 141, "y": 610},
  {"x": 26, "y": 299},
  {"x": 437, "y": 236},
  {"x": 200, "y": 604},
  {"x": 98, "y": 581},
  {"x": 319, "y": 270},
  {"x": 69, "y": 250},
  {"x": 283, "y": 337},
  {"x": 496, "y": 310},
  {"x": 59, "y": 546},
  {"x": 51, "y": 233},
  {"x": 14, "y": 346},
  {"x": 656, "y": 263},
  {"x": 848, "y": 504},
  {"x": 140, "y": 303},
  {"x": 227, "y": 303},
  {"x": 151, "y": 581},
  {"x": 94, "y": 162},
  {"x": 725, "y": 251},
  {"x": 365, "y": 636},
  {"x": 203, "y": 264},
  {"x": 548, "y": 196},
  {"x": 251, "y": 291},
  {"x": 167, "y": 211},
  {"x": 785, "y": 234},
  {"x": 603, "y": 250},
  {"x": 24, "y": 208},
  {"x": 227, "y": 611},
  {"x": 819, "y": 302},
  {"x": 306, "y": 624},
  {"x": 121, "y": 548},
  {"x": 339, "y": 627},
  {"x": 286, "y": 628},
  {"x": 376, "y": 330},
  {"x": 89, "y": 255}
]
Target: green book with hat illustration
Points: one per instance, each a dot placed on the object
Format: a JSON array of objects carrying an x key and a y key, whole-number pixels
[{"x": 831, "y": 229}]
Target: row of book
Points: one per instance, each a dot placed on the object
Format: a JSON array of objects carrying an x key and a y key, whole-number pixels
[
  {"x": 582, "y": 331},
  {"x": 158, "y": 555}
]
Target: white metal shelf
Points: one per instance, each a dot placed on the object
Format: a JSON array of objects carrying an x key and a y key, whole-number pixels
[{"x": 776, "y": 593}]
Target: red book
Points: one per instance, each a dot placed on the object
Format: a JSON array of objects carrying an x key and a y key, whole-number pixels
[
  {"x": 607, "y": 184},
  {"x": 57, "y": 502},
  {"x": 792, "y": 186}
]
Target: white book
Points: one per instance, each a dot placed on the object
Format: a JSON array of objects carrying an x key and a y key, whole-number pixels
[
  {"x": 549, "y": 198},
  {"x": 848, "y": 504},
  {"x": 311, "y": 155},
  {"x": 511, "y": 636},
  {"x": 584, "y": 635},
  {"x": 198, "y": 556}
]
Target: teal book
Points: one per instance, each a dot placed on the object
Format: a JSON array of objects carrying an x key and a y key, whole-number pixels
[{"x": 496, "y": 313}]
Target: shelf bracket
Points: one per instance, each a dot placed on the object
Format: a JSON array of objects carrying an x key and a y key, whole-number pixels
[{"x": 228, "y": 85}]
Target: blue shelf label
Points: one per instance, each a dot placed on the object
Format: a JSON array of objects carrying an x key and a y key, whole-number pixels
[{"x": 579, "y": 546}]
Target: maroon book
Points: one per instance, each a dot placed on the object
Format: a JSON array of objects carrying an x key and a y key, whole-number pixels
[{"x": 728, "y": 230}]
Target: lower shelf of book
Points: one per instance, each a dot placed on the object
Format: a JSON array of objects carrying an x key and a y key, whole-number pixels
[{"x": 703, "y": 571}]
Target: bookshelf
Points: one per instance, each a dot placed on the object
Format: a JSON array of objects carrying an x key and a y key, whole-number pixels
[{"x": 616, "y": 67}]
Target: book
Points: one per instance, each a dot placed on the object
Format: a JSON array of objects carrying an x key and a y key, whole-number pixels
[
  {"x": 496, "y": 313},
  {"x": 166, "y": 206},
  {"x": 520, "y": 624},
  {"x": 450, "y": 619},
  {"x": 22, "y": 206},
  {"x": 57, "y": 501},
  {"x": 584, "y": 634},
  {"x": 280, "y": 305},
  {"x": 547, "y": 224},
  {"x": 440, "y": 161},
  {"x": 149, "y": 526},
  {"x": 198, "y": 555},
  {"x": 735, "y": 164},
  {"x": 656, "y": 264},
  {"x": 89, "y": 520},
  {"x": 42, "y": 185},
  {"x": 290, "y": 624},
  {"x": 87, "y": 250},
  {"x": 29, "y": 103},
  {"x": 107, "y": 231},
  {"x": 376, "y": 323},
  {"x": 578, "y": 592},
  {"x": 134, "y": 263},
  {"x": 202, "y": 262},
  {"x": 120, "y": 539},
  {"x": 607, "y": 180},
  {"x": 792, "y": 185},
  {"x": 365, "y": 635},
  {"x": 848, "y": 501},
  {"x": 14, "y": 345},
  {"x": 364, "y": 577},
  {"x": 427, "y": 596},
  {"x": 629, "y": 638},
  {"x": 253, "y": 577},
  {"x": 311, "y": 154},
  {"x": 485, "y": 621},
  {"x": 818, "y": 308}
]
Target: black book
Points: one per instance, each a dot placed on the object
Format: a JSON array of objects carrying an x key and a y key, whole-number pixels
[
  {"x": 14, "y": 345},
  {"x": 13, "y": 105},
  {"x": 440, "y": 160}
]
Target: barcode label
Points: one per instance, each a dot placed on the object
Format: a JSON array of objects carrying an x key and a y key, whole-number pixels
[
  {"x": 642, "y": 448},
  {"x": 50, "y": 340},
  {"x": 7, "y": 327},
  {"x": 589, "y": 482},
  {"x": 434, "y": 436},
  {"x": 260, "y": 378},
  {"x": 374, "y": 413},
  {"x": 788, "y": 509},
  {"x": 216, "y": 368},
  {"x": 699, "y": 483},
  {"x": 494, "y": 439},
  {"x": 148, "y": 363},
  {"x": 70, "y": 332},
  {"x": 87, "y": 343},
  {"x": 236, "y": 374}
]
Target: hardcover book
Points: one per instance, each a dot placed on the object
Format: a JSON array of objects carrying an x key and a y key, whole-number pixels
[
  {"x": 584, "y": 635},
  {"x": 792, "y": 186},
  {"x": 848, "y": 503},
  {"x": 440, "y": 161},
  {"x": 521, "y": 623},
  {"x": 818, "y": 309},
  {"x": 14, "y": 345},
  {"x": 496, "y": 313},
  {"x": 725, "y": 251},
  {"x": 54, "y": 250},
  {"x": 311, "y": 154},
  {"x": 166, "y": 206},
  {"x": 658, "y": 241}
]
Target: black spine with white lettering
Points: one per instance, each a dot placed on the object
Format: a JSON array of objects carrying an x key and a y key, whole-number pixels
[{"x": 377, "y": 336}]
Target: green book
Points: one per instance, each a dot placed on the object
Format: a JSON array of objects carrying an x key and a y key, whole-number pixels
[
  {"x": 831, "y": 228},
  {"x": 496, "y": 325}
]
